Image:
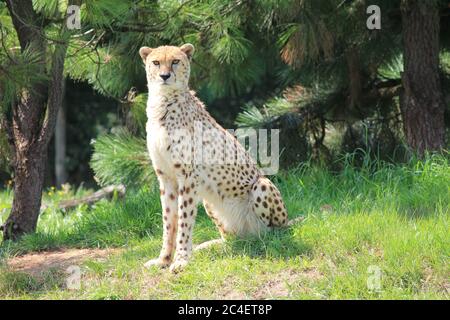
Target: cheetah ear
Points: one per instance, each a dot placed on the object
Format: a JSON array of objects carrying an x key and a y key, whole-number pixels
[
  {"x": 144, "y": 52},
  {"x": 188, "y": 49}
]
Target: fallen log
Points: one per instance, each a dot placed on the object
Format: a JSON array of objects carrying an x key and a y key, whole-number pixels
[{"x": 104, "y": 193}]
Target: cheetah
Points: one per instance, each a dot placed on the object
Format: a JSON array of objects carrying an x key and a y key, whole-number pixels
[{"x": 235, "y": 193}]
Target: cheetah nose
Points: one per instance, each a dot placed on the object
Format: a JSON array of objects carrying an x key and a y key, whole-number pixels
[{"x": 164, "y": 76}]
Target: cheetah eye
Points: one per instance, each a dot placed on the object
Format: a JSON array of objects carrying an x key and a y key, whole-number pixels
[
  {"x": 156, "y": 63},
  {"x": 176, "y": 61}
]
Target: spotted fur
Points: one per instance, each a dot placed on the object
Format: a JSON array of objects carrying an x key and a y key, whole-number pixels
[{"x": 236, "y": 196}]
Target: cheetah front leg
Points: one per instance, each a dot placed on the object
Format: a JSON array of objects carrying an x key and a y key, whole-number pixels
[
  {"x": 169, "y": 197},
  {"x": 187, "y": 212}
]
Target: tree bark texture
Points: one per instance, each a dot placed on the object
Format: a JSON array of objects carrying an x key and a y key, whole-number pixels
[{"x": 422, "y": 102}]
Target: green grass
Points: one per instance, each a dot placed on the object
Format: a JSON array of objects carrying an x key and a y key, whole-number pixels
[{"x": 381, "y": 219}]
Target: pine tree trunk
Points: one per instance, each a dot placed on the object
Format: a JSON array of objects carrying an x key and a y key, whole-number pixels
[
  {"x": 25, "y": 127},
  {"x": 29, "y": 170},
  {"x": 422, "y": 102},
  {"x": 33, "y": 119}
]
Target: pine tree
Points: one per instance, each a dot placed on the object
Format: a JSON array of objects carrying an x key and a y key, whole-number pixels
[
  {"x": 38, "y": 50},
  {"x": 342, "y": 73},
  {"x": 336, "y": 72},
  {"x": 31, "y": 99}
]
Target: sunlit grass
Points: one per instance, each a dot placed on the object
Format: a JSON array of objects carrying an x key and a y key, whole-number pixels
[{"x": 376, "y": 220}]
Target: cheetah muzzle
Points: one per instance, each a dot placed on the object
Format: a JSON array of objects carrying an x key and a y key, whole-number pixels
[{"x": 235, "y": 194}]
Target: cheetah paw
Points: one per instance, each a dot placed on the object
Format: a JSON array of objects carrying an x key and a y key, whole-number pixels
[
  {"x": 178, "y": 265},
  {"x": 156, "y": 262}
]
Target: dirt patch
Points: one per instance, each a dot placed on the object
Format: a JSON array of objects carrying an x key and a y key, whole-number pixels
[
  {"x": 277, "y": 286},
  {"x": 37, "y": 263},
  {"x": 272, "y": 289},
  {"x": 272, "y": 285}
]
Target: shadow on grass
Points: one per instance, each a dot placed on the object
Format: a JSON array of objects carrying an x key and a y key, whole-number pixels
[
  {"x": 107, "y": 224},
  {"x": 279, "y": 243},
  {"x": 414, "y": 212},
  {"x": 16, "y": 283}
]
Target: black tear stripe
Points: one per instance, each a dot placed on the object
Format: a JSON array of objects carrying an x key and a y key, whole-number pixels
[{"x": 174, "y": 74}]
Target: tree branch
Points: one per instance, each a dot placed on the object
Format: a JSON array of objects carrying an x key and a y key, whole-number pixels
[
  {"x": 30, "y": 108},
  {"x": 107, "y": 192},
  {"x": 55, "y": 95},
  {"x": 56, "y": 87}
]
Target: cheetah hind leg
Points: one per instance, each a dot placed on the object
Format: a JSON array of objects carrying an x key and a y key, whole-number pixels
[
  {"x": 207, "y": 244},
  {"x": 269, "y": 206}
]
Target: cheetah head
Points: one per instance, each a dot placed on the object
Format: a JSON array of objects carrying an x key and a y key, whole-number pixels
[{"x": 168, "y": 67}]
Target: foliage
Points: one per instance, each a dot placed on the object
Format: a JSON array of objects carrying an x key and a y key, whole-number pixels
[
  {"x": 338, "y": 74},
  {"x": 121, "y": 159},
  {"x": 249, "y": 55},
  {"x": 391, "y": 69}
]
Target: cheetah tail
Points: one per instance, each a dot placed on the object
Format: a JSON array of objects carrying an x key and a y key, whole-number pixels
[{"x": 295, "y": 221}]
